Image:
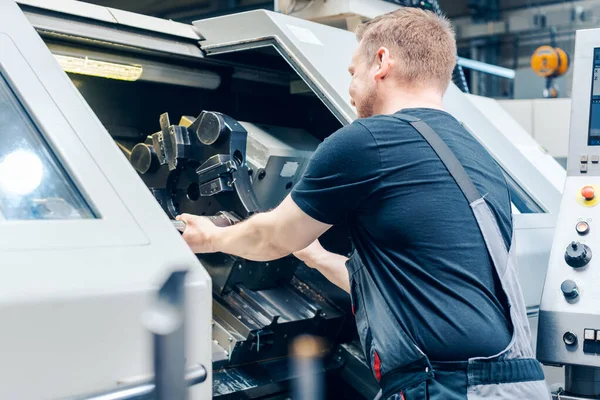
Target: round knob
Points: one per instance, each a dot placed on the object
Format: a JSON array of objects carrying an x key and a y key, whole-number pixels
[
  {"x": 570, "y": 338},
  {"x": 588, "y": 193},
  {"x": 578, "y": 255},
  {"x": 569, "y": 289}
]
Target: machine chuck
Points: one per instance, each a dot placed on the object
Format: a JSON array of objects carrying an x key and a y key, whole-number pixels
[{"x": 578, "y": 255}]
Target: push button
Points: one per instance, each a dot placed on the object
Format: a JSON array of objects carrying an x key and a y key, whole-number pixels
[
  {"x": 589, "y": 341},
  {"x": 595, "y": 158},
  {"x": 588, "y": 193},
  {"x": 569, "y": 289},
  {"x": 583, "y": 158},
  {"x": 582, "y": 228},
  {"x": 583, "y": 168},
  {"x": 570, "y": 338}
]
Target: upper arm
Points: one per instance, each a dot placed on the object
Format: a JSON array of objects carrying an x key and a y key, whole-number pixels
[{"x": 342, "y": 173}]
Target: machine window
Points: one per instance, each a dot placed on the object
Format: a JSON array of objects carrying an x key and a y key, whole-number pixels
[
  {"x": 522, "y": 202},
  {"x": 33, "y": 185},
  {"x": 594, "y": 132}
]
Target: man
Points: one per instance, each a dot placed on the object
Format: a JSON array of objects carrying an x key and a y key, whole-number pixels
[{"x": 438, "y": 307}]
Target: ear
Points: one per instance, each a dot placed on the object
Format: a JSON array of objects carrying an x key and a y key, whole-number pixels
[{"x": 383, "y": 62}]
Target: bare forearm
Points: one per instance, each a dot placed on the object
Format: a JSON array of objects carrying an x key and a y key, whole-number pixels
[
  {"x": 254, "y": 239},
  {"x": 264, "y": 237},
  {"x": 333, "y": 267}
]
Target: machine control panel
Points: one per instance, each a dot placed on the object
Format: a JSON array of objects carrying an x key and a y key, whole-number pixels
[{"x": 569, "y": 323}]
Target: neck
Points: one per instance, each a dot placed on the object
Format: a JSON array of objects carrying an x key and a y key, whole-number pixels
[{"x": 417, "y": 98}]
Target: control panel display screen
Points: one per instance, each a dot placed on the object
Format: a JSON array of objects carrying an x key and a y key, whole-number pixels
[{"x": 594, "y": 132}]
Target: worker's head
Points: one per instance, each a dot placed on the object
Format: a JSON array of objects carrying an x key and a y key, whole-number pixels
[{"x": 408, "y": 50}]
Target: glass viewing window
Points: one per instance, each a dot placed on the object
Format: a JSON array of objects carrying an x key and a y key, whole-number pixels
[{"x": 33, "y": 184}]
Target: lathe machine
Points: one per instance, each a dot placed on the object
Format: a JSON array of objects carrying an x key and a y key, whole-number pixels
[{"x": 154, "y": 118}]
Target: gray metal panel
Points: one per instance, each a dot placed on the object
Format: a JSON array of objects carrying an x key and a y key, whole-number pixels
[
  {"x": 112, "y": 15},
  {"x": 320, "y": 54},
  {"x": 162, "y": 26},
  {"x": 97, "y": 31},
  {"x": 74, "y": 8}
]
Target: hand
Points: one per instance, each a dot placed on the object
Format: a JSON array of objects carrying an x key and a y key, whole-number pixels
[
  {"x": 311, "y": 253},
  {"x": 198, "y": 233}
]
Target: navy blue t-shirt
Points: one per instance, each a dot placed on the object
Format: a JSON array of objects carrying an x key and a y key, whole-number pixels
[{"x": 414, "y": 229}]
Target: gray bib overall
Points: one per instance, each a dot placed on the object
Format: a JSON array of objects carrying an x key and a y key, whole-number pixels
[{"x": 404, "y": 372}]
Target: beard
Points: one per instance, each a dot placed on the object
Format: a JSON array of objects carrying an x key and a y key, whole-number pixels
[{"x": 365, "y": 108}]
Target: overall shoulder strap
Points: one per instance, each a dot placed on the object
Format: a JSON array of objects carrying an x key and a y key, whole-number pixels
[{"x": 446, "y": 155}]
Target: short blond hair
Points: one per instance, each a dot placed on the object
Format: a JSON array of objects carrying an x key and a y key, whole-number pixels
[{"x": 423, "y": 43}]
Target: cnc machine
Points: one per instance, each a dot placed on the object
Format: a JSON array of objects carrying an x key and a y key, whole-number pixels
[{"x": 215, "y": 119}]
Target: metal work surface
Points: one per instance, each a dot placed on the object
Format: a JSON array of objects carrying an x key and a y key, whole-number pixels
[{"x": 76, "y": 288}]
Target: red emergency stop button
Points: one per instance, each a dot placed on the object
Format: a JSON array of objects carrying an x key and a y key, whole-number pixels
[{"x": 588, "y": 193}]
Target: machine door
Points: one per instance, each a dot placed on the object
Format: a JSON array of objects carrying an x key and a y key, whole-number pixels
[
  {"x": 308, "y": 47},
  {"x": 53, "y": 194}
]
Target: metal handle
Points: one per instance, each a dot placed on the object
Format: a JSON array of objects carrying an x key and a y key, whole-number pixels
[
  {"x": 179, "y": 225},
  {"x": 222, "y": 219},
  {"x": 144, "y": 391}
]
